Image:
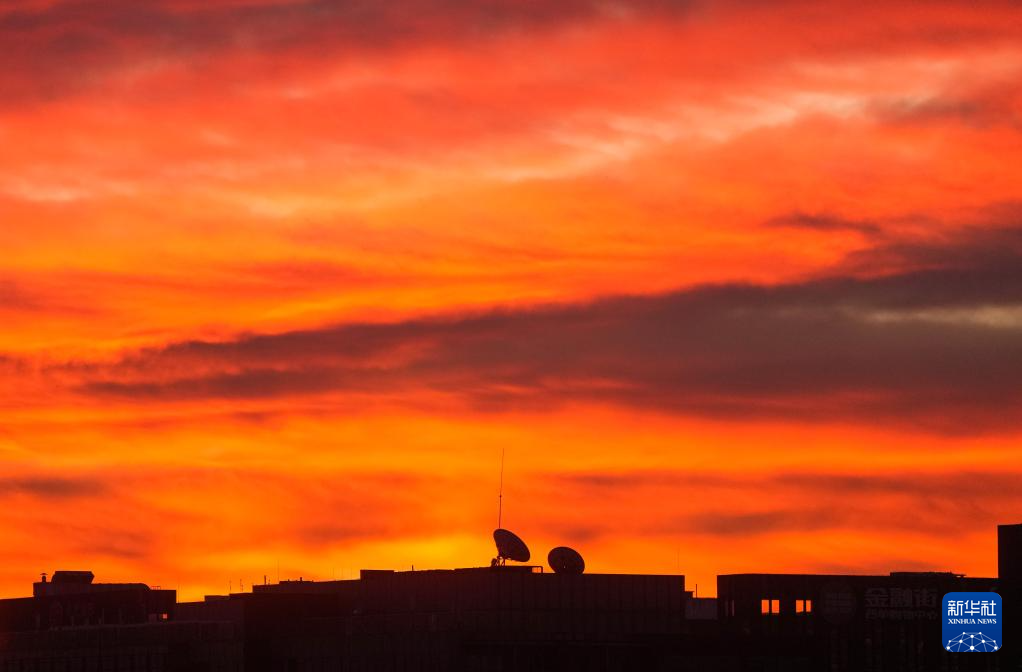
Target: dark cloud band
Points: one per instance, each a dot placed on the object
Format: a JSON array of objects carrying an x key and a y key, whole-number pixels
[{"x": 936, "y": 347}]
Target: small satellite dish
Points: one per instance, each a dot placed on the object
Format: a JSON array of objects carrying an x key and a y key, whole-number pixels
[
  {"x": 564, "y": 560},
  {"x": 510, "y": 547}
]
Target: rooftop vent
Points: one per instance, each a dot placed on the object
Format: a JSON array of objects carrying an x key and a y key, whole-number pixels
[{"x": 66, "y": 576}]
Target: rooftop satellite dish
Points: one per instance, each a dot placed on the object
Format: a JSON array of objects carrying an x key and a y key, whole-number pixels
[
  {"x": 509, "y": 547},
  {"x": 564, "y": 560}
]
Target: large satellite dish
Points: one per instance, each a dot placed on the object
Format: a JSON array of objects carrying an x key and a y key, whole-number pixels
[
  {"x": 510, "y": 547},
  {"x": 564, "y": 560}
]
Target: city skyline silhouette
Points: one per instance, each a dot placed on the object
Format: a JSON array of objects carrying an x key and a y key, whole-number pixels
[{"x": 514, "y": 615}]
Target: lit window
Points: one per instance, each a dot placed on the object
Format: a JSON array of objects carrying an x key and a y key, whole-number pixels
[
  {"x": 803, "y": 606},
  {"x": 770, "y": 606}
]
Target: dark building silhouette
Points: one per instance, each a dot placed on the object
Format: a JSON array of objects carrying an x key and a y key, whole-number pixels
[
  {"x": 462, "y": 619},
  {"x": 512, "y": 617},
  {"x": 1009, "y": 552},
  {"x": 71, "y": 599},
  {"x": 844, "y": 622},
  {"x": 71, "y": 623}
]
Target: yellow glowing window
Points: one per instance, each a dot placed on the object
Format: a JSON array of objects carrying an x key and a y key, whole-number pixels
[
  {"x": 803, "y": 606},
  {"x": 770, "y": 606}
]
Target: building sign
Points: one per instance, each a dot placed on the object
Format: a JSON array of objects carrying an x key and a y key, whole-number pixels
[{"x": 901, "y": 604}]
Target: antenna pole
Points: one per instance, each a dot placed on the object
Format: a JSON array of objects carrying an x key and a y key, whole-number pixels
[{"x": 500, "y": 493}]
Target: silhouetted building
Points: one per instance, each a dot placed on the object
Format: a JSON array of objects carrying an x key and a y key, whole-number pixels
[
  {"x": 843, "y": 623},
  {"x": 510, "y": 617},
  {"x": 71, "y": 623},
  {"x": 71, "y": 599},
  {"x": 463, "y": 619},
  {"x": 1009, "y": 552}
]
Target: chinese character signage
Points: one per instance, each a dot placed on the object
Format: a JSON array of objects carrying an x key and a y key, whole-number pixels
[
  {"x": 972, "y": 622},
  {"x": 901, "y": 604}
]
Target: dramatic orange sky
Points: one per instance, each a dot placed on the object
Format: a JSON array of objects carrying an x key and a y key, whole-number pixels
[{"x": 736, "y": 285}]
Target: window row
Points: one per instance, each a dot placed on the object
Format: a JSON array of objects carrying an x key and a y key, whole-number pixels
[{"x": 802, "y": 606}]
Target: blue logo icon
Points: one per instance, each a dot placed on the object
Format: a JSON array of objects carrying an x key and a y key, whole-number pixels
[{"x": 972, "y": 622}]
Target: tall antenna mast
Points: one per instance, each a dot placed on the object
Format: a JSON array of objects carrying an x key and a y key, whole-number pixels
[
  {"x": 509, "y": 545},
  {"x": 500, "y": 493}
]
